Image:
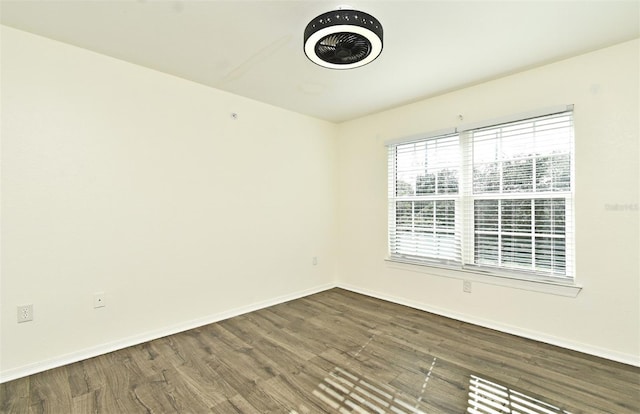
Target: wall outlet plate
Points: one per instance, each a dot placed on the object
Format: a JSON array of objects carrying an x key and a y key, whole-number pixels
[
  {"x": 466, "y": 286},
  {"x": 25, "y": 313}
]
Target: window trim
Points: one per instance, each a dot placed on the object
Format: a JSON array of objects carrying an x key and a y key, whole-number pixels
[
  {"x": 514, "y": 278},
  {"x": 504, "y": 279}
]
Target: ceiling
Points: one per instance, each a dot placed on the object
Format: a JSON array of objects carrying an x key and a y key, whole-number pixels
[{"x": 254, "y": 48}]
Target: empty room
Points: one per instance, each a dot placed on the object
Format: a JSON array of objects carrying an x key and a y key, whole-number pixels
[{"x": 299, "y": 207}]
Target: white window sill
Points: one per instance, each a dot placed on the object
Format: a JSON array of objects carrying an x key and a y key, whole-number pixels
[{"x": 554, "y": 288}]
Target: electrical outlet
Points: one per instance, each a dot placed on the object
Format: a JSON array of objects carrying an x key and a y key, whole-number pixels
[
  {"x": 315, "y": 260},
  {"x": 466, "y": 286},
  {"x": 25, "y": 313},
  {"x": 99, "y": 300}
]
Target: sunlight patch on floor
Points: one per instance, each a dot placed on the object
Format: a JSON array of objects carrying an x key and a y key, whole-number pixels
[
  {"x": 348, "y": 392},
  {"x": 487, "y": 397}
]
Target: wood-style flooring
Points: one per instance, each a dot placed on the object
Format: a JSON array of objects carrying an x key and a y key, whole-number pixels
[{"x": 333, "y": 352}]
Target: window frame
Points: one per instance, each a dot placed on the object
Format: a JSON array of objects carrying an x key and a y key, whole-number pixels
[{"x": 466, "y": 268}]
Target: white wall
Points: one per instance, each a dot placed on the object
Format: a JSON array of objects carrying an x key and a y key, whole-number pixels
[
  {"x": 604, "y": 318},
  {"x": 127, "y": 181},
  {"x": 122, "y": 180}
]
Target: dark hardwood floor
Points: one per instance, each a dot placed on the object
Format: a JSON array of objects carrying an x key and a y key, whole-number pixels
[{"x": 333, "y": 352}]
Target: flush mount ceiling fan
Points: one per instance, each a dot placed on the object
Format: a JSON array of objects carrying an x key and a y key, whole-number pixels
[{"x": 343, "y": 39}]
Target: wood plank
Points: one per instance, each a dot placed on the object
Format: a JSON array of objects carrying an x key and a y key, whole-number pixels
[
  {"x": 49, "y": 392},
  {"x": 14, "y": 396}
]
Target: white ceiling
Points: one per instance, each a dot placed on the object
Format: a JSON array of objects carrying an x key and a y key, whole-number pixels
[{"x": 254, "y": 48}]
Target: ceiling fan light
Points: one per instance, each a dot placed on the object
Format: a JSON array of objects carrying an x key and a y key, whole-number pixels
[{"x": 343, "y": 39}]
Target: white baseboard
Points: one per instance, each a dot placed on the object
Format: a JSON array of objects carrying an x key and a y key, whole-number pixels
[
  {"x": 40, "y": 366},
  {"x": 102, "y": 349},
  {"x": 628, "y": 359}
]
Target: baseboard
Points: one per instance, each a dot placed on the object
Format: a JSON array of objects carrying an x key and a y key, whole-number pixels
[
  {"x": 23, "y": 371},
  {"x": 628, "y": 359}
]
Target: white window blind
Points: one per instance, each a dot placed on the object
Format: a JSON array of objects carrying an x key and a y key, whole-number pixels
[
  {"x": 496, "y": 198},
  {"x": 424, "y": 200}
]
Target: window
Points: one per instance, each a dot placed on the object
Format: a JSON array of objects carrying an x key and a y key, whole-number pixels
[
  {"x": 493, "y": 199},
  {"x": 425, "y": 196}
]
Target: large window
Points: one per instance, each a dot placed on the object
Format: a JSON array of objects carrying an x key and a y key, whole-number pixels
[{"x": 493, "y": 199}]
